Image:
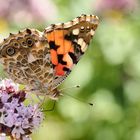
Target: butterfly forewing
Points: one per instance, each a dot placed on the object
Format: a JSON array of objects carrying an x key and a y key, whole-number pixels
[{"x": 68, "y": 42}]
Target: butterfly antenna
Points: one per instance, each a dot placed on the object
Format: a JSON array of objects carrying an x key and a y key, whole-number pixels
[{"x": 80, "y": 100}]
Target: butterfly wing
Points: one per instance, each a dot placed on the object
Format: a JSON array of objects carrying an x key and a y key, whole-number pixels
[{"x": 68, "y": 42}]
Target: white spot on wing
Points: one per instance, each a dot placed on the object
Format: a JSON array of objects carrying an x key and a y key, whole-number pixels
[
  {"x": 48, "y": 29},
  {"x": 84, "y": 46},
  {"x": 75, "y": 31},
  {"x": 31, "y": 58},
  {"x": 75, "y": 21},
  {"x": 82, "y": 27},
  {"x": 68, "y": 24},
  {"x": 88, "y": 18},
  {"x": 80, "y": 41},
  {"x": 92, "y": 32}
]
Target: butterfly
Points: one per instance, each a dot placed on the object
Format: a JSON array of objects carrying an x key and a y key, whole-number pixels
[{"x": 43, "y": 60}]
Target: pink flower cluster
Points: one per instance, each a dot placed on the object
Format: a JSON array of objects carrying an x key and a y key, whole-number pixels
[
  {"x": 27, "y": 11},
  {"x": 121, "y": 6},
  {"x": 17, "y": 120}
]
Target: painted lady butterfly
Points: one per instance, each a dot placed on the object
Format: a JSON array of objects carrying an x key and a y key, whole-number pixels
[{"x": 42, "y": 60}]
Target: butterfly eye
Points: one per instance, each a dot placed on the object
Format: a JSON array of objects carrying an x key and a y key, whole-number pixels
[
  {"x": 10, "y": 51},
  {"x": 29, "y": 42}
]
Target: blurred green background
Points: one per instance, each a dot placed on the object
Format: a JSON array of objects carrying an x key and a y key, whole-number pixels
[{"x": 109, "y": 72}]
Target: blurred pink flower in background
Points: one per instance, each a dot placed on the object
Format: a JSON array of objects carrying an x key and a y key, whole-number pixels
[
  {"x": 27, "y": 11},
  {"x": 115, "y": 7}
]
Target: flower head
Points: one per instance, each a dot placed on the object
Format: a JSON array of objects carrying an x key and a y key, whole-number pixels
[
  {"x": 16, "y": 119},
  {"x": 8, "y": 86}
]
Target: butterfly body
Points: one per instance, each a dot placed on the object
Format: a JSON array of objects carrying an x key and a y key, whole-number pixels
[{"x": 42, "y": 60}]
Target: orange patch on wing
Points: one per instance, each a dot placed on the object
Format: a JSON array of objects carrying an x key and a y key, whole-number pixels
[
  {"x": 59, "y": 70},
  {"x": 59, "y": 41},
  {"x": 71, "y": 49},
  {"x": 69, "y": 61},
  {"x": 50, "y": 36},
  {"x": 67, "y": 45},
  {"x": 59, "y": 37},
  {"x": 54, "y": 58}
]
